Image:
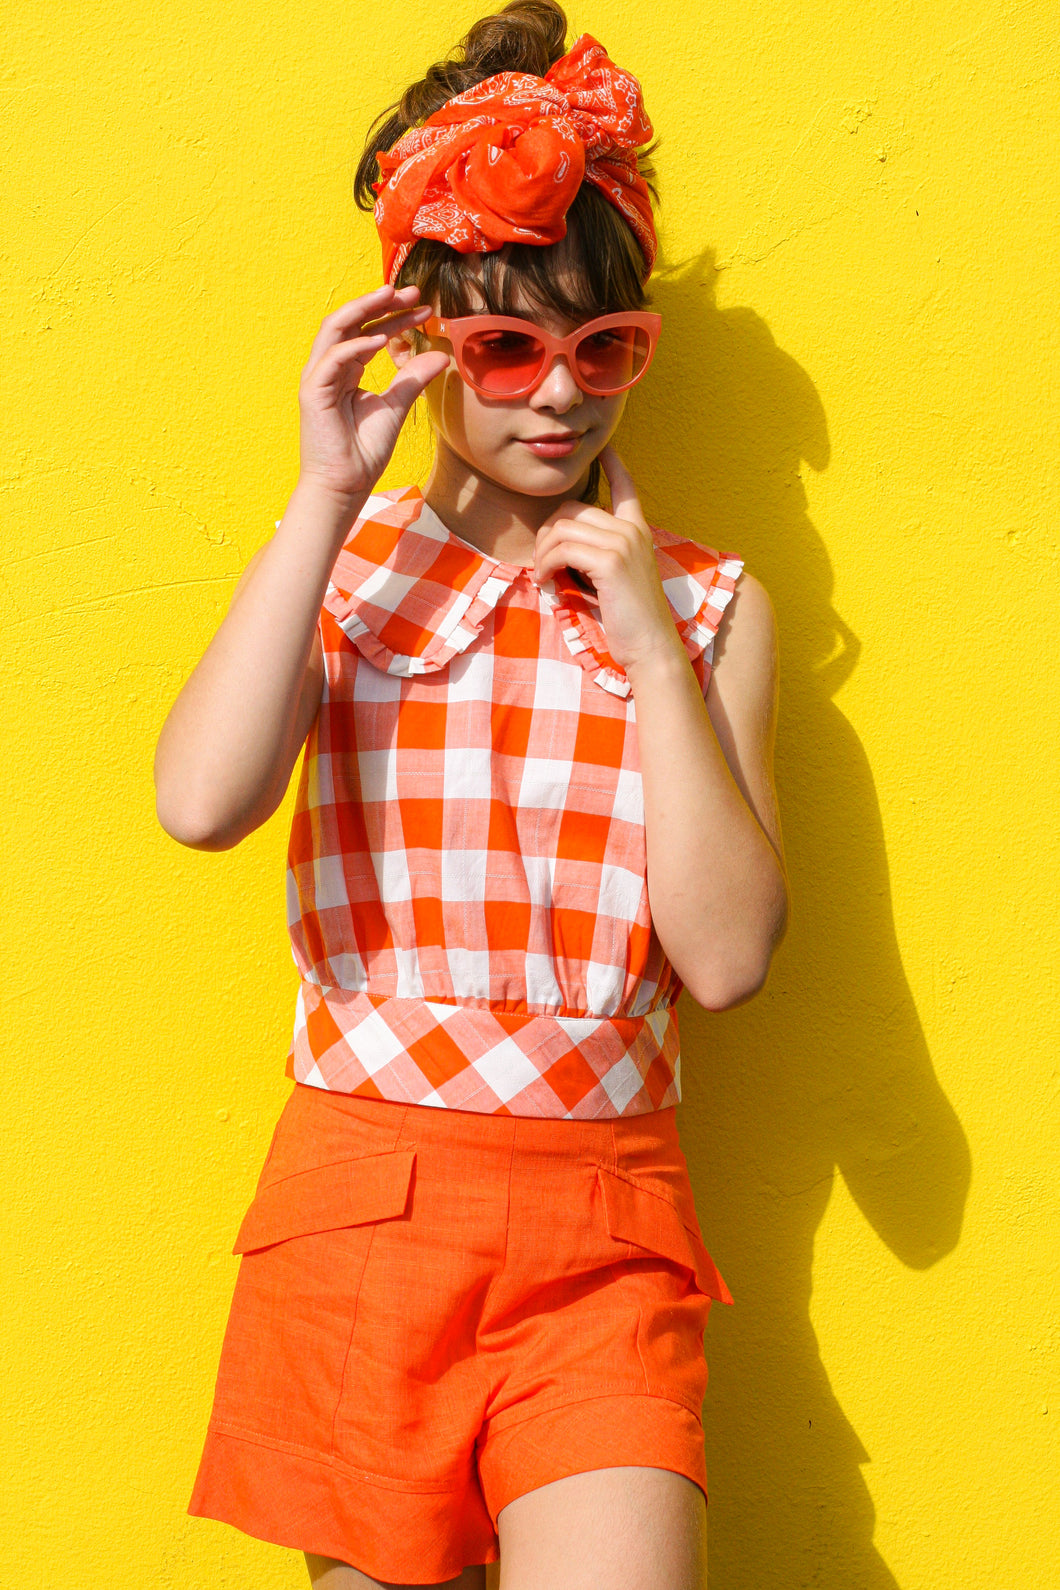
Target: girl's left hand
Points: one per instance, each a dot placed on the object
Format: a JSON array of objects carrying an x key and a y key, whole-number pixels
[{"x": 616, "y": 552}]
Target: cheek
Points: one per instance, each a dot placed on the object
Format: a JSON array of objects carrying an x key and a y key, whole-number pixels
[
  {"x": 606, "y": 416},
  {"x": 446, "y": 400},
  {"x": 438, "y": 396},
  {"x": 613, "y": 411},
  {"x": 457, "y": 412}
]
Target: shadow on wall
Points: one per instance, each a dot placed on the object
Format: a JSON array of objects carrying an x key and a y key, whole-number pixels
[{"x": 828, "y": 1067}]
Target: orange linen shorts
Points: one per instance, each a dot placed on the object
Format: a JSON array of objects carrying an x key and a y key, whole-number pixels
[{"x": 437, "y": 1311}]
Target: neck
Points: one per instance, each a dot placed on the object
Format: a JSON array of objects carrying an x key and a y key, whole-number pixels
[{"x": 500, "y": 522}]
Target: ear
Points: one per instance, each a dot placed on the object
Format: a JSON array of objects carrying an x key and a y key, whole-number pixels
[{"x": 400, "y": 348}]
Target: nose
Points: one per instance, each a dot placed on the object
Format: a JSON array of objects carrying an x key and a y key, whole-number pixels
[{"x": 557, "y": 388}]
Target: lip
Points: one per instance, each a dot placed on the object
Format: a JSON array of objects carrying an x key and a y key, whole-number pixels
[{"x": 559, "y": 445}]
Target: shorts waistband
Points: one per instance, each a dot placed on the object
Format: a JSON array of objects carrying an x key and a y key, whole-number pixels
[{"x": 612, "y": 1140}]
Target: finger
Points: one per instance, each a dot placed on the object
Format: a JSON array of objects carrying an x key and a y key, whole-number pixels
[
  {"x": 399, "y": 320},
  {"x": 605, "y": 536},
  {"x": 373, "y": 336},
  {"x": 581, "y": 513},
  {"x": 341, "y": 361},
  {"x": 334, "y": 327},
  {"x": 372, "y": 306},
  {"x": 413, "y": 377},
  {"x": 593, "y": 562},
  {"x": 625, "y": 504},
  {"x": 359, "y": 311},
  {"x": 585, "y": 548},
  {"x": 377, "y": 332}
]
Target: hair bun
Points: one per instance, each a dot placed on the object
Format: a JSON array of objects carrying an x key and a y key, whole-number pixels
[{"x": 526, "y": 36}]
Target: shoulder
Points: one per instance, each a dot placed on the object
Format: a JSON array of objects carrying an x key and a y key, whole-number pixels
[
  {"x": 745, "y": 663},
  {"x": 749, "y": 622},
  {"x": 698, "y": 582}
]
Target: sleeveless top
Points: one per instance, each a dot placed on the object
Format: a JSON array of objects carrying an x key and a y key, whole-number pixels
[{"x": 467, "y": 890}]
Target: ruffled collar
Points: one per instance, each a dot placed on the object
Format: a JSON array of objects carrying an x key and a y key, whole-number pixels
[{"x": 411, "y": 595}]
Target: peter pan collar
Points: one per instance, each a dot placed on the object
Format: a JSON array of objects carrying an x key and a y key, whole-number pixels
[{"x": 410, "y": 595}]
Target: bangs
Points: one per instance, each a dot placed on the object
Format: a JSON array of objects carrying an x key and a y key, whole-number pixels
[{"x": 596, "y": 269}]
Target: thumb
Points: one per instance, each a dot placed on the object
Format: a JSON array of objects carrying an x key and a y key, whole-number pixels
[
  {"x": 625, "y": 504},
  {"x": 414, "y": 376}
]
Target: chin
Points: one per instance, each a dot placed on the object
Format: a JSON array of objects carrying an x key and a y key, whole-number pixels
[
  {"x": 517, "y": 470},
  {"x": 547, "y": 477},
  {"x": 559, "y": 486}
]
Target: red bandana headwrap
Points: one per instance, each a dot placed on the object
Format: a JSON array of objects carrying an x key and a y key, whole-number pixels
[{"x": 502, "y": 162}]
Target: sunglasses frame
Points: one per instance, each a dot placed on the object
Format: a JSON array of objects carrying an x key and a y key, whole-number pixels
[{"x": 457, "y": 331}]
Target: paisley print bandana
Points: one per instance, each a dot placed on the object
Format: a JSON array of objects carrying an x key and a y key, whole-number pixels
[{"x": 502, "y": 162}]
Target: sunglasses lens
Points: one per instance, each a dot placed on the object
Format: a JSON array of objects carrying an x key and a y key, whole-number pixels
[
  {"x": 613, "y": 358},
  {"x": 502, "y": 361}
]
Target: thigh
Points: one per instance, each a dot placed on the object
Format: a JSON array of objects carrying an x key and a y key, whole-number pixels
[
  {"x": 606, "y": 1529},
  {"x": 328, "y": 1573}
]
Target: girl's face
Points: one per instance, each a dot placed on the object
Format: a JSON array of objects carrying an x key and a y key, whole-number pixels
[{"x": 537, "y": 445}]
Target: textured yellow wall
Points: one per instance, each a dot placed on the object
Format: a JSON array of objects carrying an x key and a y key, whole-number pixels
[{"x": 854, "y": 391}]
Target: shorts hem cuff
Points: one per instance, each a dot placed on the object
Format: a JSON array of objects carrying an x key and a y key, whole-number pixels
[
  {"x": 610, "y": 1431},
  {"x": 312, "y": 1502}
]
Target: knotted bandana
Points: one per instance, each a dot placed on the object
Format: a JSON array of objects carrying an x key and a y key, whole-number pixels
[{"x": 502, "y": 162}]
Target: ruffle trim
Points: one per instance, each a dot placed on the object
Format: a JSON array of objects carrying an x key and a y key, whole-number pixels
[
  {"x": 698, "y": 584},
  {"x": 411, "y": 596}
]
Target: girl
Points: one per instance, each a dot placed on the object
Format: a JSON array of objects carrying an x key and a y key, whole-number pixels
[{"x": 536, "y": 800}]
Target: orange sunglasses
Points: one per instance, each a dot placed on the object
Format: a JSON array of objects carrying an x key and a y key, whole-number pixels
[{"x": 501, "y": 356}]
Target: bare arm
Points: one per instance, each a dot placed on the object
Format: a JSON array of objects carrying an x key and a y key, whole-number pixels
[
  {"x": 227, "y": 749},
  {"x": 716, "y": 878},
  {"x": 228, "y": 746}
]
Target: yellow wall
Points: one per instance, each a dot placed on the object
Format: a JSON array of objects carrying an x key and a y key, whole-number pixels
[{"x": 852, "y": 390}]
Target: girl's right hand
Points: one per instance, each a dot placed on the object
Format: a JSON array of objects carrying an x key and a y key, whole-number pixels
[{"x": 347, "y": 433}]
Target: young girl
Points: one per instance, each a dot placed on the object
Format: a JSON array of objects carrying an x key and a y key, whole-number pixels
[{"x": 536, "y": 801}]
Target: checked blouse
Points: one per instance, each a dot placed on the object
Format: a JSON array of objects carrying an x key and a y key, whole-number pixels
[{"x": 467, "y": 894}]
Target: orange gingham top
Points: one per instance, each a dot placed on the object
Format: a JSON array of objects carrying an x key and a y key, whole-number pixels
[{"x": 467, "y": 891}]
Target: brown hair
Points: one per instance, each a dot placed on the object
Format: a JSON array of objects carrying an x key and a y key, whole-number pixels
[{"x": 596, "y": 269}]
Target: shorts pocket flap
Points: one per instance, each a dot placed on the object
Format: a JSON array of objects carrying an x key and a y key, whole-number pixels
[
  {"x": 349, "y": 1193},
  {"x": 639, "y": 1214}
]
